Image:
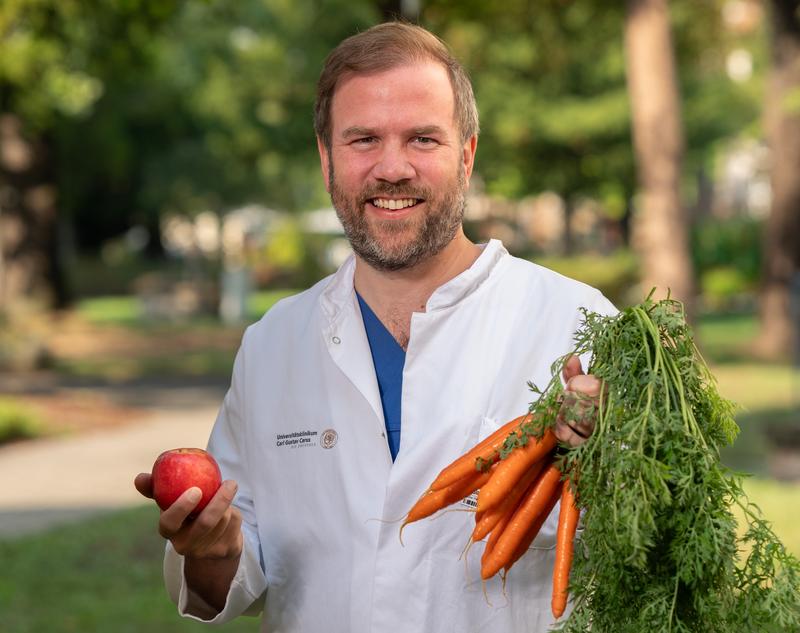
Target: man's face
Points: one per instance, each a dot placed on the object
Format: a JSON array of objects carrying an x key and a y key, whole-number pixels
[{"x": 397, "y": 170}]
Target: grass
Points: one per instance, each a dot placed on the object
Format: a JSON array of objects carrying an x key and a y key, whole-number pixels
[
  {"x": 122, "y": 310},
  {"x": 98, "y": 576},
  {"x": 767, "y": 394},
  {"x": 126, "y": 310},
  {"x": 200, "y": 346},
  {"x": 724, "y": 338},
  {"x": 185, "y": 363},
  {"x": 779, "y": 503}
]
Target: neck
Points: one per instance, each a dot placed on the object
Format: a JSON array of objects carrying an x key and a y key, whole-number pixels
[{"x": 395, "y": 295}]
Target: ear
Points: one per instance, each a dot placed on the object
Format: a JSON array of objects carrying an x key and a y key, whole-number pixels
[
  {"x": 324, "y": 161},
  {"x": 468, "y": 151}
]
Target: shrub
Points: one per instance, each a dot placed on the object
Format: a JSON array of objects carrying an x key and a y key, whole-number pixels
[
  {"x": 17, "y": 422},
  {"x": 733, "y": 244}
]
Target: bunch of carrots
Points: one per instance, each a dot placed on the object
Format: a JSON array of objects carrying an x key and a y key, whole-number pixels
[{"x": 519, "y": 483}]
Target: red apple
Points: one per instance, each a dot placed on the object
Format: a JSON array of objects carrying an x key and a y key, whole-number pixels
[{"x": 179, "y": 469}]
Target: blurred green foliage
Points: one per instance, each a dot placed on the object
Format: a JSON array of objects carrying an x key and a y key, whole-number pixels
[
  {"x": 17, "y": 422},
  {"x": 550, "y": 83},
  {"x": 147, "y": 108},
  {"x": 187, "y": 106},
  {"x": 727, "y": 258}
]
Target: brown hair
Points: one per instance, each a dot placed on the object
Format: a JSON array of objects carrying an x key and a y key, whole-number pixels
[{"x": 383, "y": 47}]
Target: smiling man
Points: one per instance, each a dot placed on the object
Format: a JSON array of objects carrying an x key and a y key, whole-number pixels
[
  {"x": 398, "y": 183},
  {"x": 398, "y": 161},
  {"x": 347, "y": 399}
]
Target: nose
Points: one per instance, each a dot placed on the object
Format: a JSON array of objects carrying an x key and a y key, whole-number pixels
[{"x": 393, "y": 164}]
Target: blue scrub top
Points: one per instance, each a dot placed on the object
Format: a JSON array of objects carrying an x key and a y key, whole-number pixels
[{"x": 388, "y": 358}]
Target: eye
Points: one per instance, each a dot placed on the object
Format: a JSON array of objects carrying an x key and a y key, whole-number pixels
[
  {"x": 364, "y": 141},
  {"x": 424, "y": 140}
]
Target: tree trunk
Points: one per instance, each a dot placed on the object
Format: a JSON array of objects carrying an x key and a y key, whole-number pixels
[
  {"x": 782, "y": 232},
  {"x": 30, "y": 260},
  {"x": 660, "y": 227}
]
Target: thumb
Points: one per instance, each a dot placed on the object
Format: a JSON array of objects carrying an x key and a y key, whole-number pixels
[
  {"x": 144, "y": 484},
  {"x": 572, "y": 367}
]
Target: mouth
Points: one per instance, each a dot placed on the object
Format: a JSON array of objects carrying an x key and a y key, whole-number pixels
[{"x": 394, "y": 204}]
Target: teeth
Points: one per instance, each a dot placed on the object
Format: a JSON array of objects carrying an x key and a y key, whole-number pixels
[{"x": 385, "y": 203}]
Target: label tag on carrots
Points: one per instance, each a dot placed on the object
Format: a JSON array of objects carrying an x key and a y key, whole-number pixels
[{"x": 471, "y": 501}]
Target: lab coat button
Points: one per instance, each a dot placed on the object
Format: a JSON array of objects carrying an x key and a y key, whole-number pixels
[{"x": 336, "y": 340}]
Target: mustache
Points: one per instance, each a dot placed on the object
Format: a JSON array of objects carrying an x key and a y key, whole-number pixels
[{"x": 395, "y": 190}]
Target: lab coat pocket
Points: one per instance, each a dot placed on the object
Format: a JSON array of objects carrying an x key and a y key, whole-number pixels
[
  {"x": 478, "y": 429},
  {"x": 466, "y": 604}
]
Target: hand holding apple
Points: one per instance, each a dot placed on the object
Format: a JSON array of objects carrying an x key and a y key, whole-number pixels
[
  {"x": 179, "y": 469},
  {"x": 212, "y": 542},
  {"x": 186, "y": 485}
]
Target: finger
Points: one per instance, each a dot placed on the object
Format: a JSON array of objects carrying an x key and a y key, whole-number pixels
[
  {"x": 578, "y": 413},
  {"x": 223, "y": 541},
  {"x": 216, "y": 508},
  {"x": 567, "y": 435},
  {"x": 583, "y": 427},
  {"x": 572, "y": 367},
  {"x": 205, "y": 531},
  {"x": 203, "y": 534},
  {"x": 173, "y": 518},
  {"x": 144, "y": 484},
  {"x": 585, "y": 383}
]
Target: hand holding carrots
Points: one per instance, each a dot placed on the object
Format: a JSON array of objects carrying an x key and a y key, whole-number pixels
[{"x": 576, "y": 419}]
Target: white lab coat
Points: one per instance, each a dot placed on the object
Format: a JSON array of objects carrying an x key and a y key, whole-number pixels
[{"x": 302, "y": 432}]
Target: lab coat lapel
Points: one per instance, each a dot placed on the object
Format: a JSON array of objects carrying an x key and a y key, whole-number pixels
[{"x": 346, "y": 339}]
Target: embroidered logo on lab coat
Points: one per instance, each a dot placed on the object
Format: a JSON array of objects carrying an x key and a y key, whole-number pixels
[
  {"x": 328, "y": 438},
  {"x": 296, "y": 439}
]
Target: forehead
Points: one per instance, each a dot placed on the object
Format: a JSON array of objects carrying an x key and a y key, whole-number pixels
[{"x": 414, "y": 94}]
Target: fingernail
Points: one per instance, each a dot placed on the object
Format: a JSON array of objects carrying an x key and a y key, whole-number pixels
[{"x": 194, "y": 494}]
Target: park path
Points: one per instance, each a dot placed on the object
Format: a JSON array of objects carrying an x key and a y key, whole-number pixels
[{"x": 50, "y": 481}]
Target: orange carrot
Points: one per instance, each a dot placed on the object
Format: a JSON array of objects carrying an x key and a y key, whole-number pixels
[
  {"x": 486, "y": 450},
  {"x": 533, "y": 530},
  {"x": 435, "y": 500},
  {"x": 533, "y": 504},
  {"x": 495, "y": 535},
  {"x": 565, "y": 545},
  {"x": 511, "y": 469},
  {"x": 486, "y": 520}
]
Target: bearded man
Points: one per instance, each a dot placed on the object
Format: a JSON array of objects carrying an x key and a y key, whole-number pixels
[{"x": 347, "y": 399}]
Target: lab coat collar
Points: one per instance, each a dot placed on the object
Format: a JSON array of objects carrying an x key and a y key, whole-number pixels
[
  {"x": 340, "y": 295},
  {"x": 465, "y": 283}
]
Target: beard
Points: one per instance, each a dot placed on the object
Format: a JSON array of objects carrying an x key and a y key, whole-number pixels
[{"x": 391, "y": 245}]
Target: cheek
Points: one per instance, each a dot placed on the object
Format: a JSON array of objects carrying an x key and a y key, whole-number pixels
[
  {"x": 442, "y": 171},
  {"x": 351, "y": 169}
]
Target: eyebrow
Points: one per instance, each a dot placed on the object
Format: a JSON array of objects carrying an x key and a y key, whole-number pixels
[
  {"x": 425, "y": 130},
  {"x": 428, "y": 130},
  {"x": 355, "y": 130}
]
